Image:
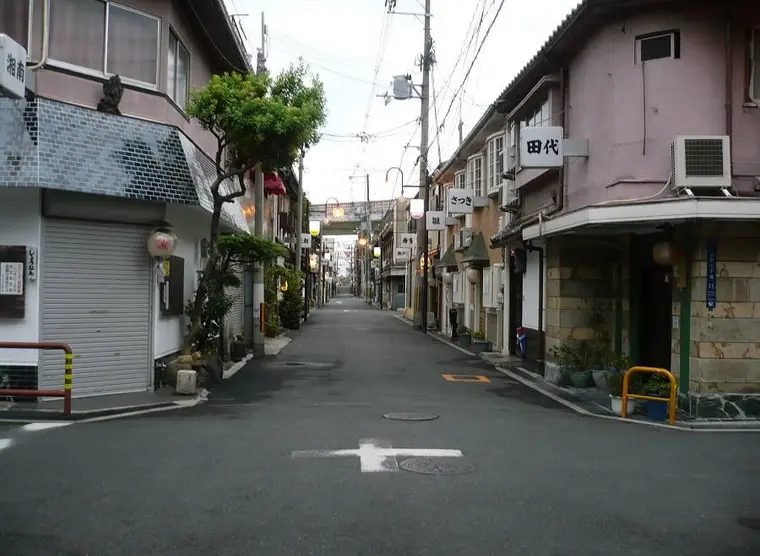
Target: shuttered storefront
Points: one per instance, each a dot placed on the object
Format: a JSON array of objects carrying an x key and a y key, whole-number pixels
[
  {"x": 235, "y": 316},
  {"x": 96, "y": 296}
]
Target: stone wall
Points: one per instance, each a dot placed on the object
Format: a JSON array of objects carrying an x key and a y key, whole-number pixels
[
  {"x": 581, "y": 276},
  {"x": 724, "y": 352}
]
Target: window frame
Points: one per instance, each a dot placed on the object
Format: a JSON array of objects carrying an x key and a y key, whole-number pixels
[
  {"x": 477, "y": 191},
  {"x": 541, "y": 105},
  {"x": 457, "y": 176},
  {"x": 104, "y": 73},
  {"x": 180, "y": 44},
  {"x": 675, "y": 45},
  {"x": 493, "y": 179}
]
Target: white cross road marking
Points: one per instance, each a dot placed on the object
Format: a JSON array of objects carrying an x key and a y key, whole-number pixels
[
  {"x": 33, "y": 427},
  {"x": 338, "y": 302},
  {"x": 378, "y": 455}
]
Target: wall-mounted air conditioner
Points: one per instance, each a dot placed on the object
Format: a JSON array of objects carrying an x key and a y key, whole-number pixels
[
  {"x": 457, "y": 287},
  {"x": 701, "y": 162},
  {"x": 491, "y": 287},
  {"x": 466, "y": 237}
]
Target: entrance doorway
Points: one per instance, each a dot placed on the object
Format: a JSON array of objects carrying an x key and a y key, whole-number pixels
[
  {"x": 655, "y": 315},
  {"x": 515, "y": 304}
]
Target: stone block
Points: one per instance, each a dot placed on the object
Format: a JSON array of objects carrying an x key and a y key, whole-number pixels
[
  {"x": 735, "y": 371},
  {"x": 186, "y": 382},
  {"x": 727, "y": 289},
  {"x": 724, "y": 309},
  {"x": 728, "y": 350},
  {"x": 724, "y": 406},
  {"x": 559, "y": 273},
  {"x": 725, "y": 330}
]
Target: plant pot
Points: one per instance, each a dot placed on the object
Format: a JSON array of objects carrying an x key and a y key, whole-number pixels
[
  {"x": 465, "y": 340},
  {"x": 656, "y": 410},
  {"x": 616, "y": 404},
  {"x": 580, "y": 379},
  {"x": 480, "y": 346},
  {"x": 237, "y": 351},
  {"x": 600, "y": 378}
]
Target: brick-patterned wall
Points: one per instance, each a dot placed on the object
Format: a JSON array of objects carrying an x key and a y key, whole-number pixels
[
  {"x": 581, "y": 277},
  {"x": 725, "y": 342}
]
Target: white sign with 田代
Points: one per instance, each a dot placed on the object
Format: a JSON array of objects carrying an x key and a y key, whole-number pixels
[
  {"x": 541, "y": 147},
  {"x": 12, "y": 67},
  {"x": 460, "y": 201},
  {"x": 435, "y": 220}
]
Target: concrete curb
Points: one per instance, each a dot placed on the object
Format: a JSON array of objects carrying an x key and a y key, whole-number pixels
[{"x": 729, "y": 426}]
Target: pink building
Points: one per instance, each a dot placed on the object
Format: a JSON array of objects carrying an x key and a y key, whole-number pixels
[{"x": 640, "y": 233}]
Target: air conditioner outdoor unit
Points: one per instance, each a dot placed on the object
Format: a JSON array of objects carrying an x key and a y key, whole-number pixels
[
  {"x": 466, "y": 237},
  {"x": 701, "y": 162},
  {"x": 457, "y": 241}
]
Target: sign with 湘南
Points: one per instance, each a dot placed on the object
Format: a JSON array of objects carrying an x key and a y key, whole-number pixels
[
  {"x": 436, "y": 220},
  {"x": 12, "y": 67},
  {"x": 11, "y": 278},
  {"x": 460, "y": 201},
  {"x": 541, "y": 147}
]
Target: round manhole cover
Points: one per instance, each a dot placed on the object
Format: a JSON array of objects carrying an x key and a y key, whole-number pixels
[
  {"x": 411, "y": 416},
  {"x": 437, "y": 466}
]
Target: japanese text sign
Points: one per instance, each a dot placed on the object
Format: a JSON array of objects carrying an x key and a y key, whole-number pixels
[
  {"x": 406, "y": 240},
  {"x": 460, "y": 201},
  {"x": 436, "y": 220},
  {"x": 541, "y": 147},
  {"x": 402, "y": 254},
  {"x": 12, "y": 67}
]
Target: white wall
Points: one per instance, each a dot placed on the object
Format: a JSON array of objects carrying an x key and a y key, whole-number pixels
[
  {"x": 190, "y": 225},
  {"x": 530, "y": 292},
  {"x": 20, "y": 224}
]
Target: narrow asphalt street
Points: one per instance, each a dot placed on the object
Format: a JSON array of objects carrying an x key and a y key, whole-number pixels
[{"x": 250, "y": 472}]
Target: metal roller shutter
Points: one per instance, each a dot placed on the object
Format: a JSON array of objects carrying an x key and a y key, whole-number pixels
[
  {"x": 235, "y": 316},
  {"x": 96, "y": 296}
]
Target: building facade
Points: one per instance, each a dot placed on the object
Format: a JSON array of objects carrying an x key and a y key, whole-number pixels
[
  {"x": 631, "y": 194},
  {"x": 92, "y": 165}
]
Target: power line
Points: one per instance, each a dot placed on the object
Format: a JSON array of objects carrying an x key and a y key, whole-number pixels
[{"x": 372, "y": 135}]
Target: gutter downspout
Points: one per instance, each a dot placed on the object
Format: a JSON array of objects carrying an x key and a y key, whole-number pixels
[{"x": 729, "y": 84}]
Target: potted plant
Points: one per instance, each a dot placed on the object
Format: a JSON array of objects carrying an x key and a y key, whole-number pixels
[
  {"x": 573, "y": 360},
  {"x": 464, "y": 336},
  {"x": 658, "y": 386},
  {"x": 612, "y": 365},
  {"x": 237, "y": 348},
  {"x": 615, "y": 387},
  {"x": 479, "y": 342}
]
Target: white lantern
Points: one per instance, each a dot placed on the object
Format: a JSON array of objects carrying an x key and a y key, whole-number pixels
[
  {"x": 162, "y": 243},
  {"x": 473, "y": 275},
  {"x": 314, "y": 227},
  {"x": 417, "y": 208},
  {"x": 448, "y": 277},
  {"x": 376, "y": 252}
]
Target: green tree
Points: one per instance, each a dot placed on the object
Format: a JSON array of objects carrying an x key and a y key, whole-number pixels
[{"x": 257, "y": 120}]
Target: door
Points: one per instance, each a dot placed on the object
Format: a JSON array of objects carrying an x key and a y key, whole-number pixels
[
  {"x": 515, "y": 304},
  {"x": 656, "y": 321},
  {"x": 96, "y": 296}
]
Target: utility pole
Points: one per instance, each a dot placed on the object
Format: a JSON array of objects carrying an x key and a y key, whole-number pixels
[
  {"x": 258, "y": 224},
  {"x": 299, "y": 227},
  {"x": 368, "y": 246},
  {"x": 422, "y": 241}
]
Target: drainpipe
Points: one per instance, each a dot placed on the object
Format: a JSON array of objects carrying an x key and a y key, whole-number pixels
[
  {"x": 45, "y": 37},
  {"x": 542, "y": 339},
  {"x": 729, "y": 82}
]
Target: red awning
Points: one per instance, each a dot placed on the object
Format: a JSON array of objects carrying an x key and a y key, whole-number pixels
[{"x": 273, "y": 185}]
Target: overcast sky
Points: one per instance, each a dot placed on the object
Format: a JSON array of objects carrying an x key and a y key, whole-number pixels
[{"x": 341, "y": 41}]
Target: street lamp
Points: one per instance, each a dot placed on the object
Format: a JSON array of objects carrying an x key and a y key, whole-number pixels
[
  {"x": 400, "y": 171},
  {"x": 337, "y": 211}
]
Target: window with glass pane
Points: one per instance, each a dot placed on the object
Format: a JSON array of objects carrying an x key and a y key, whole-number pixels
[
  {"x": 495, "y": 161},
  {"x": 78, "y": 32},
  {"x": 178, "y": 71},
  {"x": 460, "y": 180},
  {"x": 475, "y": 174},
  {"x": 132, "y": 44}
]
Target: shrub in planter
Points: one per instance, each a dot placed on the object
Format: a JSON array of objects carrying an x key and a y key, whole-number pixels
[
  {"x": 291, "y": 309},
  {"x": 614, "y": 381},
  {"x": 465, "y": 337},
  {"x": 658, "y": 386},
  {"x": 479, "y": 343},
  {"x": 237, "y": 348},
  {"x": 573, "y": 359}
]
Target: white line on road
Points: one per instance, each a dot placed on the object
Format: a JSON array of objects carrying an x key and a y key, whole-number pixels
[
  {"x": 378, "y": 455},
  {"x": 42, "y": 426}
]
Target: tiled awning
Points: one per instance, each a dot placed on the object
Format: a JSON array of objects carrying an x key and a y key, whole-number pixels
[
  {"x": 508, "y": 234},
  {"x": 477, "y": 252},
  {"x": 54, "y": 145}
]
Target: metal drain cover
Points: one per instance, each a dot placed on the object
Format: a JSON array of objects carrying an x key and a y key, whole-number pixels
[
  {"x": 437, "y": 466},
  {"x": 411, "y": 416}
]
